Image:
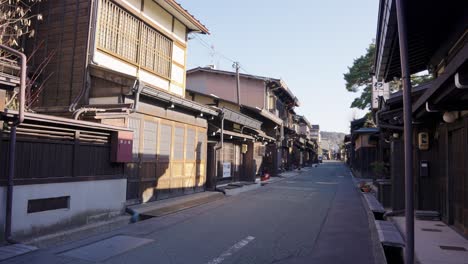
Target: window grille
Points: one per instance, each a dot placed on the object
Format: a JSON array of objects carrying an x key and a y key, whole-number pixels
[{"x": 126, "y": 37}]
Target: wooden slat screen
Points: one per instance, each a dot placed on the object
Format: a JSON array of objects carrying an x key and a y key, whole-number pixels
[
  {"x": 129, "y": 38},
  {"x": 190, "y": 146},
  {"x": 179, "y": 143},
  {"x": 201, "y": 147},
  {"x": 165, "y": 143},
  {"x": 135, "y": 125},
  {"x": 150, "y": 140}
]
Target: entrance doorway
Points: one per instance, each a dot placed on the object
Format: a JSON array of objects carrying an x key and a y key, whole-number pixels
[{"x": 457, "y": 178}]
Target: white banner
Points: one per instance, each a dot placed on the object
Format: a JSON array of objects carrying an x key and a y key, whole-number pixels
[
  {"x": 226, "y": 169},
  {"x": 379, "y": 89}
]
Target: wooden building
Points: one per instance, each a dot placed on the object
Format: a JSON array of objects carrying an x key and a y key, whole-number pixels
[
  {"x": 122, "y": 62},
  {"x": 234, "y": 159},
  {"x": 363, "y": 148},
  {"x": 306, "y": 147},
  {"x": 437, "y": 42},
  {"x": 267, "y": 100}
]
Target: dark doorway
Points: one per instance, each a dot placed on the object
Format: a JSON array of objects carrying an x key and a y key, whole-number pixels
[{"x": 457, "y": 171}]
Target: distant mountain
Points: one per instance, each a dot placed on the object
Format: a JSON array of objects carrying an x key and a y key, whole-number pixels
[{"x": 331, "y": 139}]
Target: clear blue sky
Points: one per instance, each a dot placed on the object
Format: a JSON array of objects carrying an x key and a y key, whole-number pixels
[{"x": 309, "y": 44}]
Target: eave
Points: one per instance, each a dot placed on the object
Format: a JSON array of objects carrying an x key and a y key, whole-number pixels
[
  {"x": 433, "y": 27},
  {"x": 183, "y": 16}
]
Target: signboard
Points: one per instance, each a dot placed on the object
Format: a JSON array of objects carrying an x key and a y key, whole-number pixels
[
  {"x": 379, "y": 89},
  {"x": 226, "y": 169}
]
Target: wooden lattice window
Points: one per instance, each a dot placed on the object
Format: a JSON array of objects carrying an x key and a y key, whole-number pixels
[
  {"x": 156, "y": 51},
  {"x": 127, "y": 37}
]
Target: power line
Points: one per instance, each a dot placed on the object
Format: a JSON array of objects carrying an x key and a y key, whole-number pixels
[{"x": 210, "y": 47}]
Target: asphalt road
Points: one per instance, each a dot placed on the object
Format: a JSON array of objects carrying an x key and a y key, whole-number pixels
[{"x": 315, "y": 217}]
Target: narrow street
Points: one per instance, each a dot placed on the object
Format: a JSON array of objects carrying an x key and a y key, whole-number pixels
[{"x": 314, "y": 217}]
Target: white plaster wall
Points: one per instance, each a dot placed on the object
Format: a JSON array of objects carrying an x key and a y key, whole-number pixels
[
  {"x": 177, "y": 89},
  {"x": 87, "y": 199},
  {"x": 180, "y": 31},
  {"x": 177, "y": 74},
  {"x": 158, "y": 15},
  {"x": 102, "y": 59},
  {"x": 154, "y": 80},
  {"x": 134, "y": 4},
  {"x": 178, "y": 54}
]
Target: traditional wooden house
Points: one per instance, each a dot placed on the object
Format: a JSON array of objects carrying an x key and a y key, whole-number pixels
[
  {"x": 364, "y": 148},
  {"x": 264, "y": 99},
  {"x": 306, "y": 148},
  {"x": 122, "y": 62},
  {"x": 231, "y": 137},
  {"x": 437, "y": 42}
]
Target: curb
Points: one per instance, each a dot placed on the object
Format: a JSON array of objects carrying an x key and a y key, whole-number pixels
[
  {"x": 378, "y": 251},
  {"x": 79, "y": 232},
  {"x": 169, "y": 206},
  {"x": 245, "y": 188}
]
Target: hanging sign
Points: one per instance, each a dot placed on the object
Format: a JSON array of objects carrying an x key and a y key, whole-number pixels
[{"x": 379, "y": 89}]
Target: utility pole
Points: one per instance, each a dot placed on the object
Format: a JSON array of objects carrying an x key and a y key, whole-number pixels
[
  {"x": 408, "y": 131},
  {"x": 236, "y": 65}
]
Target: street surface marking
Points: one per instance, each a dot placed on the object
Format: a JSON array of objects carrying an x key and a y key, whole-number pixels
[
  {"x": 326, "y": 182},
  {"x": 294, "y": 188},
  {"x": 232, "y": 250}
]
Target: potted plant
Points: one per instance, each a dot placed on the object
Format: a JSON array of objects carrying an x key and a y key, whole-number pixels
[
  {"x": 365, "y": 187},
  {"x": 379, "y": 169}
]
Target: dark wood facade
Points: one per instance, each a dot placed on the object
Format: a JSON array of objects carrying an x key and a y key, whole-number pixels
[
  {"x": 440, "y": 107},
  {"x": 111, "y": 63},
  {"x": 63, "y": 34},
  {"x": 50, "y": 152}
]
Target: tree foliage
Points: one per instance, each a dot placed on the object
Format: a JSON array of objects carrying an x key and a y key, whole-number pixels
[
  {"x": 16, "y": 17},
  {"x": 16, "y": 20},
  {"x": 358, "y": 78}
]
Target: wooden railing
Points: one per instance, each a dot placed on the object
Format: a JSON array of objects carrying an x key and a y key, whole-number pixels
[{"x": 128, "y": 38}]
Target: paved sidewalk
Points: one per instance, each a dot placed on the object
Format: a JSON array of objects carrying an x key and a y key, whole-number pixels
[{"x": 436, "y": 243}]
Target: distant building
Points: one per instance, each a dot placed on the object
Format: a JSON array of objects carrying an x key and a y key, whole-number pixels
[{"x": 267, "y": 100}]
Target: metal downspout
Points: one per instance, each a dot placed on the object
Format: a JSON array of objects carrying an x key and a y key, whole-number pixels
[
  {"x": 12, "y": 148},
  {"x": 137, "y": 89},
  {"x": 90, "y": 47},
  {"x": 80, "y": 111},
  {"x": 408, "y": 137},
  {"x": 221, "y": 146}
]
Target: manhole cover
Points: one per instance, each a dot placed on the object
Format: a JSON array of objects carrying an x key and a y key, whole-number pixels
[
  {"x": 105, "y": 249},
  {"x": 431, "y": 230},
  {"x": 453, "y": 248}
]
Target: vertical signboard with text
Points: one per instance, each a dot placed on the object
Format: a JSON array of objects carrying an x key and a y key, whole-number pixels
[{"x": 379, "y": 89}]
